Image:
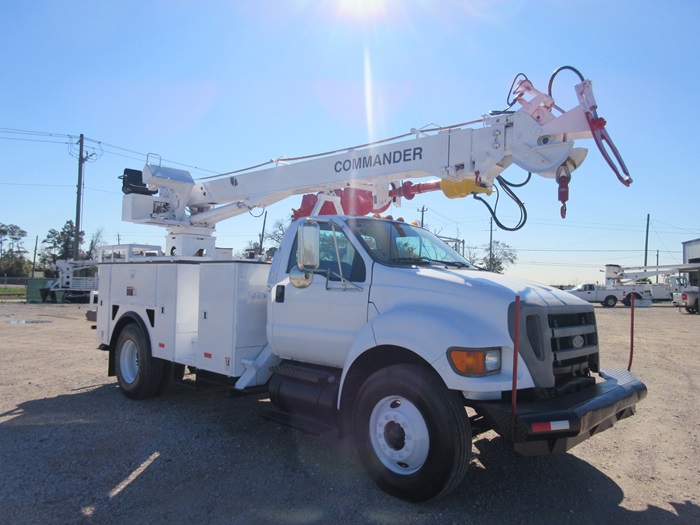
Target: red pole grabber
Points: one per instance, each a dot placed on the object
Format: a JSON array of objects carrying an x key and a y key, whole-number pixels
[{"x": 584, "y": 91}]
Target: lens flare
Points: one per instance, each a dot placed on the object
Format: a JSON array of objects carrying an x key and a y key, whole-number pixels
[{"x": 362, "y": 9}]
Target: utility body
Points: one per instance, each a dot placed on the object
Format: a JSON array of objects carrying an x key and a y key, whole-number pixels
[{"x": 370, "y": 326}]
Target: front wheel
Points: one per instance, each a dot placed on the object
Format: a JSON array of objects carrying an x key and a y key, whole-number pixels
[
  {"x": 139, "y": 374},
  {"x": 412, "y": 434}
]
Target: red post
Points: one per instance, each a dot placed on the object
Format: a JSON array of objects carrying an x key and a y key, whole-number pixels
[{"x": 516, "y": 349}]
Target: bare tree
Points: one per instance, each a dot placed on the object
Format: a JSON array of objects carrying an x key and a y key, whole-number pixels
[
  {"x": 498, "y": 256},
  {"x": 277, "y": 232},
  {"x": 95, "y": 242},
  {"x": 471, "y": 254}
]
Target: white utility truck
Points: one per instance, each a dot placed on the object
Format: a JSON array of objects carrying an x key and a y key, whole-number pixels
[
  {"x": 609, "y": 296},
  {"x": 674, "y": 279},
  {"x": 70, "y": 286},
  {"x": 372, "y": 326}
]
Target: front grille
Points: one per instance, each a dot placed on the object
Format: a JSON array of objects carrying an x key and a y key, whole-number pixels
[
  {"x": 574, "y": 342},
  {"x": 558, "y": 343}
]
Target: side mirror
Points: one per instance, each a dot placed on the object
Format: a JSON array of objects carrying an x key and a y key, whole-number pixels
[{"x": 308, "y": 242}]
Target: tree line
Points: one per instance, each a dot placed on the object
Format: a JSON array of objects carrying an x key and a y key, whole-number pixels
[
  {"x": 60, "y": 245},
  {"x": 16, "y": 261}
]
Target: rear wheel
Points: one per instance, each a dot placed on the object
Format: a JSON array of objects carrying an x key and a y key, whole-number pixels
[
  {"x": 139, "y": 374},
  {"x": 627, "y": 301},
  {"x": 411, "y": 433},
  {"x": 610, "y": 301}
]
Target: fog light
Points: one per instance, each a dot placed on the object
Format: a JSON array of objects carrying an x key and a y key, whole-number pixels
[{"x": 475, "y": 361}]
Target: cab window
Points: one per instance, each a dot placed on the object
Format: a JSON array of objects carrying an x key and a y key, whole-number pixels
[{"x": 337, "y": 254}]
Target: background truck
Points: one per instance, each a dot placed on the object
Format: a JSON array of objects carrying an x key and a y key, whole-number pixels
[
  {"x": 370, "y": 326},
  {"x": 609, "y": 296},
  {"x": 76, "y": 279},
  {"x": 674, "y": 279},
  {"x": 676, "y": 288},
  {"x": 687, "y": 300}
]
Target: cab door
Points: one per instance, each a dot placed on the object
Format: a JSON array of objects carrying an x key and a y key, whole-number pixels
[{"x": 320, "y": 322}]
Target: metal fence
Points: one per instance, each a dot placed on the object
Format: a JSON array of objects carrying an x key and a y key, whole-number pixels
[{"x": 5, "y": 280}]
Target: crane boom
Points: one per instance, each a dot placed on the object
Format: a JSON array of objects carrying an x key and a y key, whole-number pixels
[{"x": 462, "y": 161}]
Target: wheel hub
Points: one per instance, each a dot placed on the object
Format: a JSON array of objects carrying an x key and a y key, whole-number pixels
[
  {"x": 399, "y": 435},
  {"x": 129, "y": 361}
]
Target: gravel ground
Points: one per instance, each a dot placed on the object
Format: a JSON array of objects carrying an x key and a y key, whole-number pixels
[{"x": 73, "y": 449}]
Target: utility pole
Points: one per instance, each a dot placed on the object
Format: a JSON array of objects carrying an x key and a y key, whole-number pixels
[
  {"x": 81, "y": 160},
  {"x": 657, "y": 263},
  {"x": 646, "y": 242},
  {"x": 36, "y": 245},
  {"x": 262, "y": 234},
  {"x": 422, "y": 211}
]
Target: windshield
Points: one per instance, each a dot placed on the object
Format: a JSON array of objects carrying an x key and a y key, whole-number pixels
[{"x": 401, "y": 244}]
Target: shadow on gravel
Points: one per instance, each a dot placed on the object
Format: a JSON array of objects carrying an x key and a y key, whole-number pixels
[{"x": 189, "y": 456}]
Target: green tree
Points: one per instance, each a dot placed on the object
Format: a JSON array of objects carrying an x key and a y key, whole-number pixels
[
  {"x": 15, "y": 266},
  {"x": 60, "y": 244},
  {"x": 13, "y": 235},
  {"x": 16, "y": 234},
  {"x": 12, "y": 261},
  {"x": 3, "y": 236}
]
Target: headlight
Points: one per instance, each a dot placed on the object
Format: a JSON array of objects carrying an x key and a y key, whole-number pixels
[{"x": 474, "y": 362}]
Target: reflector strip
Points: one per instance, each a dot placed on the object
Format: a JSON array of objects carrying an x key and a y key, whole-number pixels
[
  {"x": 548, "y": 426},
  {"x": 161, "y": 345},
  {"x": 207, "y": 355}
]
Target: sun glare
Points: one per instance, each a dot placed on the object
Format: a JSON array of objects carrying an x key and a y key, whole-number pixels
[{"x": 362, "y": 9}]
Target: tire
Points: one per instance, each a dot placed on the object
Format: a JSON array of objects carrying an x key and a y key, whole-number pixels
[
  {"x": 610, "y": 301},
  {"x": 412, "y": 434},
  {"x": 692, "y": 309},
  {"x": 139, "y": 374},
  {"x": 627, "y": 301}
]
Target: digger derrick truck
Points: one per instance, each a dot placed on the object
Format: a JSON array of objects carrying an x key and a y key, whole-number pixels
[{"x": 371, "y": 326}]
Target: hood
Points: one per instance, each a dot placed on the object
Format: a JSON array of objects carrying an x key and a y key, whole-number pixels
[{"x": 476, "y": 286}]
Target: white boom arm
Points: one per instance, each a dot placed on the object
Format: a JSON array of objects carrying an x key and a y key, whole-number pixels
[
  {"x": 466, "y": 160},
  {"x": 617, "y": 274}
]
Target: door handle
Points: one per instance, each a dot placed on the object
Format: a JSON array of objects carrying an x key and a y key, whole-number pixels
[{"x": 279, "y": 293}]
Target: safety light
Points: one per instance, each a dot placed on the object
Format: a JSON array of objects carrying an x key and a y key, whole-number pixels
[{"x": 475, "y": 361}]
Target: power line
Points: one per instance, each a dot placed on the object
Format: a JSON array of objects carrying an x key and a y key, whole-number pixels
[
  {"x": 35, "y": 140},
  {"x": 98, "y": 149}
]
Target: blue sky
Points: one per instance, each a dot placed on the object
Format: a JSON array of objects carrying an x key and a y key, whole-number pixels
[{"x": 221, "y": 85}]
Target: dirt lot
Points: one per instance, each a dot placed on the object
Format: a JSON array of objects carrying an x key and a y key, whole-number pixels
[{"x": 74, "y": 450}]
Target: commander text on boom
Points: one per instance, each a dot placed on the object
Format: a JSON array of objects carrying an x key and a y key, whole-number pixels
[{"x": 392, "y": 157}]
